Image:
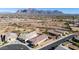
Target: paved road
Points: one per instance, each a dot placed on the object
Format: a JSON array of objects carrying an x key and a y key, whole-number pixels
[
  {"x": 14, "y": 47},
  {"x": 57, "y": 42}
]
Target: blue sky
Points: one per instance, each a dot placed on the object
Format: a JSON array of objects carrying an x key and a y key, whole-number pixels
[{"x": 65, "y": 10}]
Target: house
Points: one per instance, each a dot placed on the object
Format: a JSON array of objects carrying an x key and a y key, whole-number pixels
[
  {"x": 9, "y": 37},
  {"x": 75, "y": 28},
  {"x": 76, "y": 24},
  {"x": 38, "y": 40},
  {"x": 58, "y": 32},
  {"x": 73, "y": 47},
  {"x": 54, "y": 33},
  {"x": 26, "y": 36},
  {"x": 63, "y": 32}
]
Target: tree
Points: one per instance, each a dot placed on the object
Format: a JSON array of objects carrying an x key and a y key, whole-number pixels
[
  {"x": 68, "y": 26},
  {"x": 73, "y": 18},
  {"x": 46, "y": 31}
]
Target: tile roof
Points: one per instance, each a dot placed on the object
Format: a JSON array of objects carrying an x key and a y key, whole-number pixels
[
  {"x": 39, "y": 38},
  {"x": 28, "y": 35},
  {"x": 54, "y": 32}
]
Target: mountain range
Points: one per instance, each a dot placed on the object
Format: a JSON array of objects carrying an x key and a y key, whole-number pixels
[{"x": 33, "y": 11}]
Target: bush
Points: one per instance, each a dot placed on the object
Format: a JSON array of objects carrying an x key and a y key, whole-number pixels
[
  {"x": 75, "y": 40},
  {"x": 5, "y": 42}
]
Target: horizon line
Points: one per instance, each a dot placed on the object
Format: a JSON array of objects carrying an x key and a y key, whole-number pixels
[{"x": 64, "y": 10}]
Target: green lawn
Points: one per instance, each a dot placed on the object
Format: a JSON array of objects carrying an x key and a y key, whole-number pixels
[
  {"x": 65, "y": 43},
  {"x": 2, "y": 43},
  {"x": 76, "y": 43}
]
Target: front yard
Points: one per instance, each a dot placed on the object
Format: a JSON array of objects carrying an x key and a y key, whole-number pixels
[{"x": 2, "y": 43}]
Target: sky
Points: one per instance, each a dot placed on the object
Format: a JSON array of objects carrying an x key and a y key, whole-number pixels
[{"x": 64, "y": 10}]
